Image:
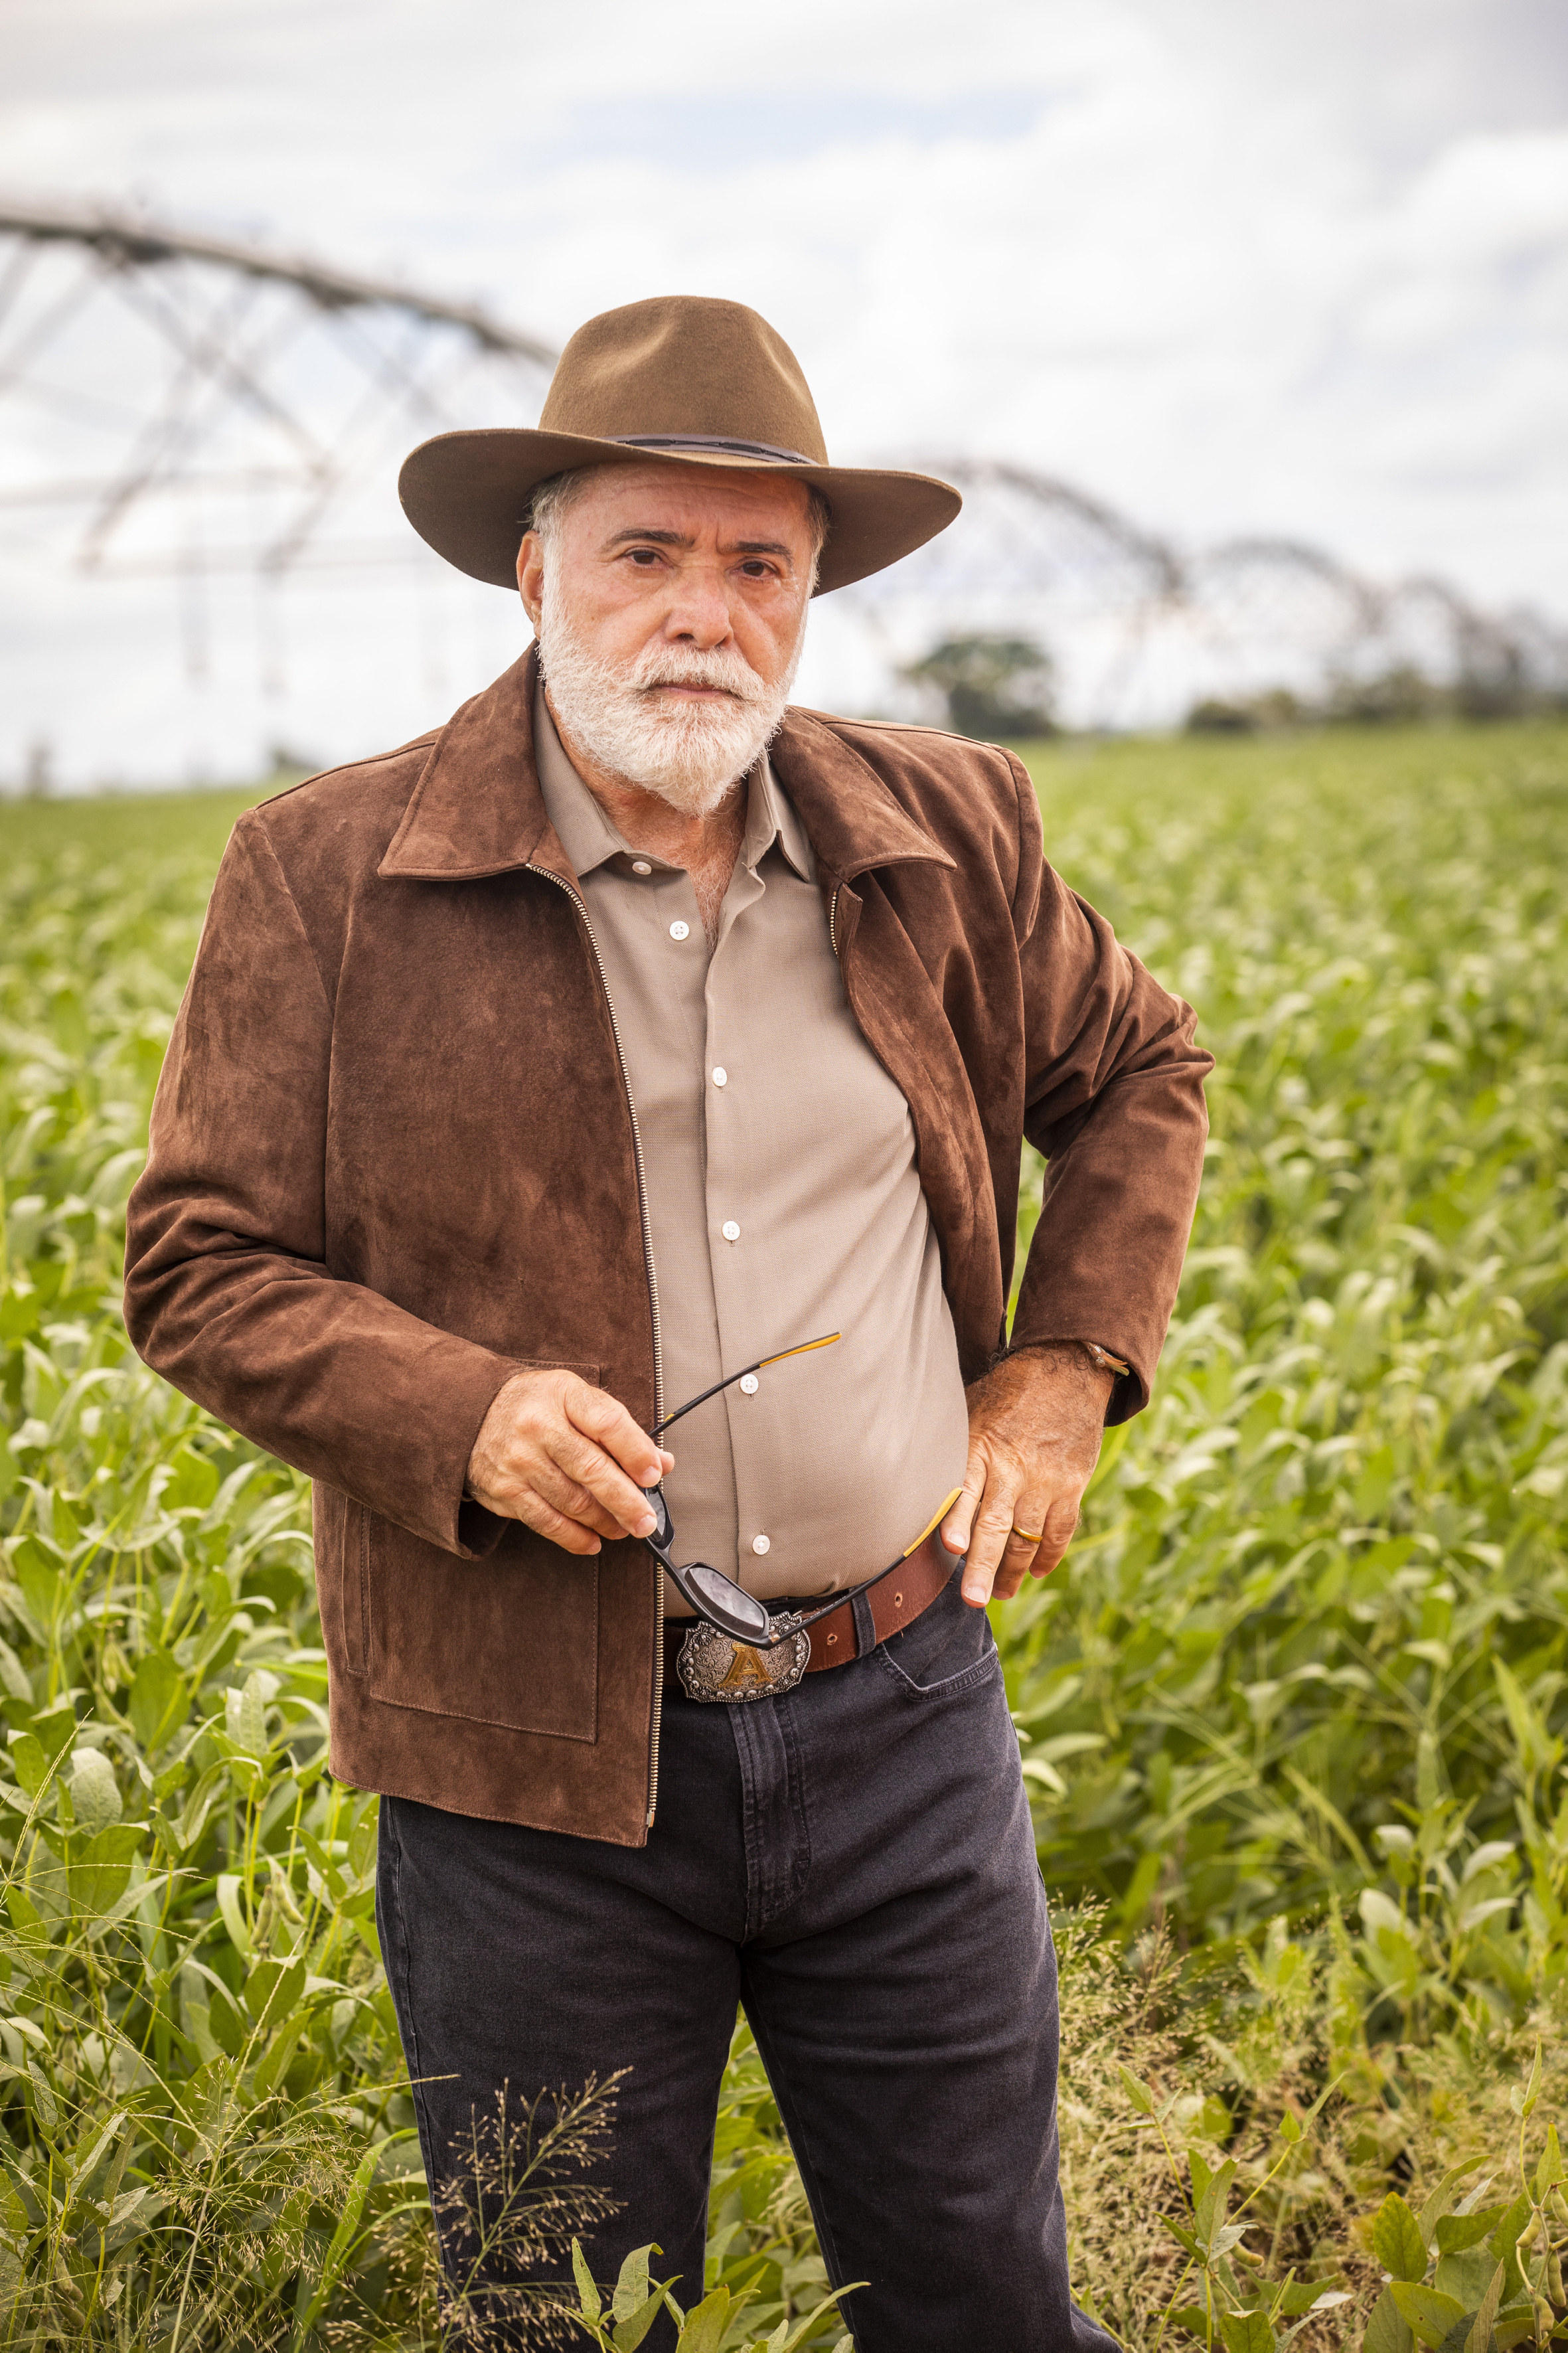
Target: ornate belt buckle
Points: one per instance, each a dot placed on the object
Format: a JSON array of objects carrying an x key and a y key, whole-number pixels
[{"x": 712, "y": 1666}]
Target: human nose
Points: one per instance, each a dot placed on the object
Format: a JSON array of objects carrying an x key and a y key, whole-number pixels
[{"x": 699, "y": 608}]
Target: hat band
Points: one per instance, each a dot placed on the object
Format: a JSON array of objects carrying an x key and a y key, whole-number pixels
[{"x": 712, "y": 443}]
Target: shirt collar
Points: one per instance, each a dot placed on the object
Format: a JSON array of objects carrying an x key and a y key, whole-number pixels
[{"x": 589, "y": 837}]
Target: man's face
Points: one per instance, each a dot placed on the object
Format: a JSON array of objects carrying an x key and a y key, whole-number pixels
[{"x": 669, "y": 604}]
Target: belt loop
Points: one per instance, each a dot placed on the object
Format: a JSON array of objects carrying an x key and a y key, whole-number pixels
[{"x": 865, "y": 1625}]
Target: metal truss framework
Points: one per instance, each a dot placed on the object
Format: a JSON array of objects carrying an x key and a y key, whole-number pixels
[
  {"x": 254, "y": 383},
  {"x": 194, "y": 406},
  {"x": 1147, "y": 628}
]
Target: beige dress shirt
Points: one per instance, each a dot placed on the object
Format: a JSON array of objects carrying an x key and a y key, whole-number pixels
[{"x": 779, "y": 1159}]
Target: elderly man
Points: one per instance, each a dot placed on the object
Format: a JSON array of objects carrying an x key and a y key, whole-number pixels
[{"x": 632, "y": 1030}]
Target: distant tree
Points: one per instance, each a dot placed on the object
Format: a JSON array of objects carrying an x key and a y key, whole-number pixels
[
  {"x": 1000, "y": 689},
  {"x": 1392, "y": 697},
  {"x": 1275, "y": 708},
  {"x": 1213, "y": 717}
]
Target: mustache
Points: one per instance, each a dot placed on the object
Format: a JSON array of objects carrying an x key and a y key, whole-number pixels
[{"x": 725, "y": 673}]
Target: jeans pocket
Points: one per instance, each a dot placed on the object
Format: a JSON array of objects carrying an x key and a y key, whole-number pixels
[{"x": 950, "y": 1650}]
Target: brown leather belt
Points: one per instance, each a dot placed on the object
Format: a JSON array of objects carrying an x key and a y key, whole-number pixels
[{"x": 894, "y": 1603}]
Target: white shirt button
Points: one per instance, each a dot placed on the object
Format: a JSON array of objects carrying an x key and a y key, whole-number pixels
[
  {"x": 641, "y": 866},
  {"x": 720, "y": 1076},
  {"x": 760, "y": 1543},
  {"x": 680, "y": 930},
  {"x": 731, "y": 1230},
  {"x": 748, "y": 1385}
]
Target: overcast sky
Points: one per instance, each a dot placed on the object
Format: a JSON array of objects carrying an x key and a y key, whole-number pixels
[{"x": 1234, "y": 264}]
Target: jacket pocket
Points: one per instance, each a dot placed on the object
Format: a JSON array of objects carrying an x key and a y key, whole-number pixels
[
  {"x": 511, "y": 1640},
  {"x": 341, "y": 1537}
]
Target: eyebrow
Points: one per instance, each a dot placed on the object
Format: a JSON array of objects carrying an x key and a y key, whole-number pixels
[{"x": 684, "y": 539}]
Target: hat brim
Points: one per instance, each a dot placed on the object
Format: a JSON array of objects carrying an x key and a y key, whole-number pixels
[{"x": 467, "y": 494}]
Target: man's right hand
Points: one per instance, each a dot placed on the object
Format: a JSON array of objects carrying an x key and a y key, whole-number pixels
[{"x": 567, "y": 1459}]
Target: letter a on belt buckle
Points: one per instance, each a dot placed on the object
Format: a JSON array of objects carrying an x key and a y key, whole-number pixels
[{"x": 712, "y": 1666}]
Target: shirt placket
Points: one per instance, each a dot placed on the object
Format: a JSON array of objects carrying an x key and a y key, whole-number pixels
[{"x": 736, "y": 1242}]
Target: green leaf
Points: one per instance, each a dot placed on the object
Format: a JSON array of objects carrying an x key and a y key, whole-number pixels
[
  {"x": 271, "y": 1991},
  {"x": 1456, "y": 2232},
  {"x": 704, "y": 2330},
  {"x": 1513, "y": 2225},
  {"x": 341, "y": 2243},
  {"x": 1142, "y": 2097},
  {"x": 1213, "y": 2202},
  {"x": 1550, "y": 2168},
  {"x": 1387, "y": 2331},
  {"x": 14, "y": 1675},
  {"x": 587, "y": 2293},
  {"x": 157, "y": 1697},
  {"x": 245, "y": 1713},
  {"x": 629, "y": 2335},
  {"x": 1397, "y": 2240},
  {"x": 95, "y": 1792},
  {"x": 1465, "y": 2276},
  {"x": 234, "y": 1920},
  {"x": 1247, "y": 2332},
  {"x": 1441, "y": 2200},
  {"x": 631, "y": 2288},
  {"x": 1481, "y": 2337},
  {"x": 804, "y": 2327},
  {"x": 1430, "y": 2314},
  {"x": 189, "y": 1479},
  {"x": 28, "y": 1761}
]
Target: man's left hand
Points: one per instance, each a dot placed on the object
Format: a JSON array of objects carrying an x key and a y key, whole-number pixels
[{"x": 1036, "y": 1423}]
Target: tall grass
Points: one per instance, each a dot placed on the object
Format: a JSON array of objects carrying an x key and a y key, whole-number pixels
[{"x": 1293, "y": 1715}]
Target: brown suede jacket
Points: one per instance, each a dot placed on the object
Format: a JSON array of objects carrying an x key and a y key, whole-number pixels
[{"x": 392, "y": 1161}]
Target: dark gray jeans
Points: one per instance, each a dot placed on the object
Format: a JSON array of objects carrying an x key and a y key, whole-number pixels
[{"x": 853, "y": 1863}]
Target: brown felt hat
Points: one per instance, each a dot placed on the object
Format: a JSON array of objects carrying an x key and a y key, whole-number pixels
[{"x": 678, "y": 380}]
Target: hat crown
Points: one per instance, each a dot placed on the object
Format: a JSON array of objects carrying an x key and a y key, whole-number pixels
[{"x": 683, "y": 365}]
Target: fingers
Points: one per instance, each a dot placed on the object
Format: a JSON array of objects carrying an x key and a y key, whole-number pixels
[
  {"x": 574, "y": 1501},
  {"x": 530, "y": 1507},
  {"x": 601, "y": 1417},
  {"x": 1010, "y": 1526},
  {"x": 567, "y": 1459},
  {"x": 1057, "y": 1530},
  {"x": 987, "y": 1543},
  {"x": 955, "y": 1528}
]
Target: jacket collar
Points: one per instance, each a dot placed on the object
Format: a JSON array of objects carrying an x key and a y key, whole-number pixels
[{"x": 477, "y": 809}]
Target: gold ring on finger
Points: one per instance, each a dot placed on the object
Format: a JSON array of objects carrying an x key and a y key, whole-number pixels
[{"x": 1028, "y": 1536}]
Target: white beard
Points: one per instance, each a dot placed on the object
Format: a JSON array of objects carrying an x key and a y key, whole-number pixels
[{"x": 690, "y": 754}]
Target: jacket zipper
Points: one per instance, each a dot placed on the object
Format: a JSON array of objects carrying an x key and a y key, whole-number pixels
[{"x": 656, "y": 1723}]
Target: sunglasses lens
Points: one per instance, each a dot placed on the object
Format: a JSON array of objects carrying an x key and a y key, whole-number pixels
[
  {"x": 738, "y": 1607},
  {"x": 660, "y": 1511}
]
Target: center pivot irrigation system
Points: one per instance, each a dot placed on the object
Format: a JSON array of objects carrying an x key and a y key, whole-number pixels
[{"x": 210, "y": 410}]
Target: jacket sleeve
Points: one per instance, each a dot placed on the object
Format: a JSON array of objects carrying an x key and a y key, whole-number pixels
[
  {"x": 1114, "y": 1099},
  {"x": 226, "y": 1291}
]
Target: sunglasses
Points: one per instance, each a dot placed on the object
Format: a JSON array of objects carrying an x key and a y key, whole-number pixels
[{"x": 709, "y": 1591}]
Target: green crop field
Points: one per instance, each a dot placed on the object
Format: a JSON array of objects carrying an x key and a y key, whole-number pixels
[{"x": 1293, "y": 1713}]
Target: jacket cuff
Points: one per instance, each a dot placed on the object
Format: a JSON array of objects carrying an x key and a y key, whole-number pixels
[{"x": 1128, "y": 1390}]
